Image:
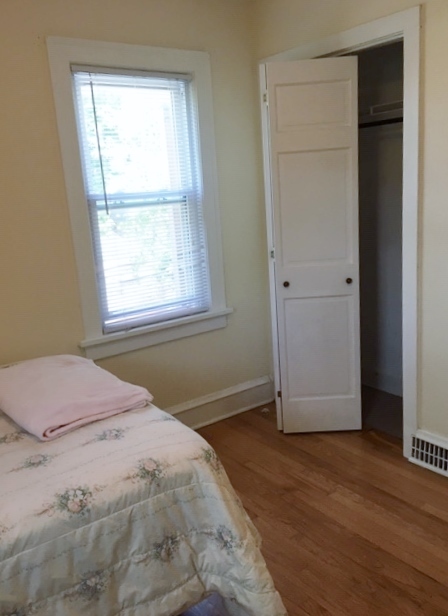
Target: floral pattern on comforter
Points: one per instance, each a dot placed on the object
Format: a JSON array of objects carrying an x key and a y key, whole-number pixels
[{"x": 129, "y": 516}]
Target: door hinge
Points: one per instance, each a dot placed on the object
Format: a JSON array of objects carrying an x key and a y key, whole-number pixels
[
  {"x": 272, "y": 254},
  {"x": 265, "y": 97},
  {"x": 279, "y": 394}
]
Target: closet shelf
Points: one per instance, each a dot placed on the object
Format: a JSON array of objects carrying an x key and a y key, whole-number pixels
[{"x": 384, "y": 113}]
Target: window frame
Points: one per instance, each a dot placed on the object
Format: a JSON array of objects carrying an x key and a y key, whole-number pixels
[{"x": 63, "y": 53}]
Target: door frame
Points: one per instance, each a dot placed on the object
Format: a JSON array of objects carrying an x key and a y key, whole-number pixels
[{"x": 403, "y": 26}]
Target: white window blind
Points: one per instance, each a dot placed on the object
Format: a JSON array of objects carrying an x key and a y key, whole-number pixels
[{"x": 139, "y": 147}]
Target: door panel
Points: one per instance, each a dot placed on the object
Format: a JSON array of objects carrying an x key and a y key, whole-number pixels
[
  {"x": 313, "y": 125},
  {"x": 304, "y": 105},
  {"x": 328, "y": 206},
  {"x": 320, "y": 332}
]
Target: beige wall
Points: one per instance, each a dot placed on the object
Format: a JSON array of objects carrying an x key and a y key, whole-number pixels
[
  {"x": 39, "y": 303},
  {"x": 284, "y": 24}
]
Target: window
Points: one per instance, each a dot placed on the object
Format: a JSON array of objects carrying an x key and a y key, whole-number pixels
[
  {"x": 136, "y": 132},
  {"x": 139, "y": 148}
]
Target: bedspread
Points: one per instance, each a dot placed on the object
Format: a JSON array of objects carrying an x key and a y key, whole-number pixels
[{"x": 133, "y": 515}]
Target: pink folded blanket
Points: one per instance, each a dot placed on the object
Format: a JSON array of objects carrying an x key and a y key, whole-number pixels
[{"x": 50, "y": 396}]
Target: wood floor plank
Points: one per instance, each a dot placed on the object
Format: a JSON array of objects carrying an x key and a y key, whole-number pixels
[{"x": 349, "y": 527}]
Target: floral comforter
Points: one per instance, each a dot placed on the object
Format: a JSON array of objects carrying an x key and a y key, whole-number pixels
[{"x": 133, "y": 515}]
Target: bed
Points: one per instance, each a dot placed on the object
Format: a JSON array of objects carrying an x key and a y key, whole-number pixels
[{"x": 132, "y": 516}]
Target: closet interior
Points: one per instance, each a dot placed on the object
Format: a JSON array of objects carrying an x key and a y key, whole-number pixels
[{"x": 380, "y": 235}]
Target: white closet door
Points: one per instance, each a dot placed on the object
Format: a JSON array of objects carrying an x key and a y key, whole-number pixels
[{"x": 313, "y": 122}]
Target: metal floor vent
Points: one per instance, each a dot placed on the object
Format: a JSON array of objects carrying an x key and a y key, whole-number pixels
[{"x": 430, "y": 455}]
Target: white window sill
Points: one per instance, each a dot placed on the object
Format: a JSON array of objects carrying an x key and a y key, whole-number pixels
[{"x": 138, "y": 338}]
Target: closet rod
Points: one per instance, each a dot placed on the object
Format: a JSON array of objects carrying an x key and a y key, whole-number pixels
[{"x": 380, "y": 122}]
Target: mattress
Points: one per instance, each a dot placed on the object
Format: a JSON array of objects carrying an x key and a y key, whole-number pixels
[{"x": 133, "y": 515}]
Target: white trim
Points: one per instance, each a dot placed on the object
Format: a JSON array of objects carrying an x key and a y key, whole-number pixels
[
  {"x": 138, "y": 338},
  {"x": 64, "y": 52},
  {"x": 399, "y": 26},
  {"x": 378, "y": 32},
  {"x": 435, "y": 439},
  {"x": 225, "y": 403},
  {"x": 270, "y": 234}
]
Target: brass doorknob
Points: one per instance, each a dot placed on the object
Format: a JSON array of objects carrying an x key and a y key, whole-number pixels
[{"x": 286, "y": 283}]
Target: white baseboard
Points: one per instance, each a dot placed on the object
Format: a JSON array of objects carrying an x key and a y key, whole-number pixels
[{"x": 224, "y": 403}]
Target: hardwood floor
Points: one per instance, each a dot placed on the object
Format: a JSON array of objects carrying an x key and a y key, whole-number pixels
[{"x": 349, "y": 527}]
